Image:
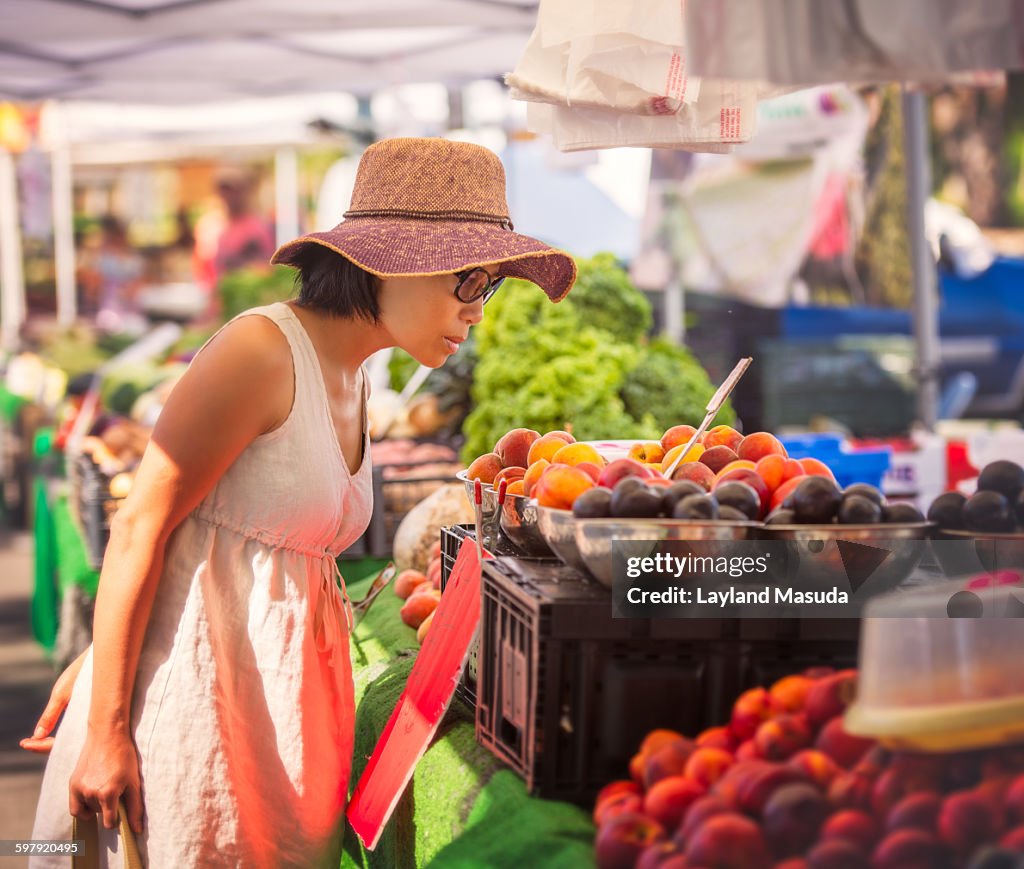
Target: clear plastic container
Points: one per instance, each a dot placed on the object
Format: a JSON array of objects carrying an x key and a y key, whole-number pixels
[{"x": 932, "y": 682}]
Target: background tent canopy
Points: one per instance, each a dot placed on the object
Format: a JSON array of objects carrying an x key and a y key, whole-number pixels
[{"x": 187, "y": 51}]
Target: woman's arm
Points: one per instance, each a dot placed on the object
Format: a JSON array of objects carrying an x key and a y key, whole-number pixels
[{"x": 239, "y": 387}]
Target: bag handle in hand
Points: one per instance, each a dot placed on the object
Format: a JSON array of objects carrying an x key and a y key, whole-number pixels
[{"x": 88, "y": 832}]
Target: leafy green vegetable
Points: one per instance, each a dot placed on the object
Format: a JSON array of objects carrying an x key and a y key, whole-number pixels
[
  {"x": 583, "y": 365},
  {"x": 251, "y": 287},
  {"x": 671, "y": 385}
]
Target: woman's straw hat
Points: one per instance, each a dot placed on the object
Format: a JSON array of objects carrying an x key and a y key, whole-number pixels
[{"x": 432, "y": 206}]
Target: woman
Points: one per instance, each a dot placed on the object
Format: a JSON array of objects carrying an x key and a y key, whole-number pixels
[{"x": 217, "y": 698}]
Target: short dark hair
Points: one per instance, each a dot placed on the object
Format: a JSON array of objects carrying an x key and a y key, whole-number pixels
[{"x": 330, "y": 283}]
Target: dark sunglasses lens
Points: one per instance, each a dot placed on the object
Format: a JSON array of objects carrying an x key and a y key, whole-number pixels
[{"x": 472, "y": 286}]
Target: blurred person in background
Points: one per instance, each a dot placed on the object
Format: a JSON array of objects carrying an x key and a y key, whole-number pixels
[
  {"x": 110, "y": 276},
  {"x": 247, "y": 239}
]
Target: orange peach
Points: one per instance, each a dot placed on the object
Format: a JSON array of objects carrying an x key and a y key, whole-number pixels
[
  {"x": 693, "y": 454},
  {"x": 590, "y": 468},
  {"x": 717, "y": 458},
  {"x": 851, "y": 790},
  {"x": 722, "y": 436},
  {"x": 697, "y": 473},
  {"x": 747, "y": 750},
  {"x": 843, "y": 747},
  {"x": 421, "y": 631},
  {"x": 830, "y": 696},
  {"x": 513, "y": 447},
  {"x": 783, "y": 492},
  {"x": 510, "y": 475},
  {"x": 818, "y": 766},
  {"x": 419, "y": 606},
  {"x": 636, "y": 767},
  {"x": 648, "y": 452},
  {"x": 515, "y": 488},
  {"x": 407, "y": 581},
  {"x": 533, "y": 473},
  {"x": 1013, "y": 840},
  {"x": 564, "y": 435},
  {"x": 728, "y": 839},
  {"x": 750, "y": 709},
  {"x": 903, "y": 849},
  {"x": 485, "y": 468},
  {"x": 666, "y": 760},
  {"x": 739, "y": 463},
  {"x": 616, "y": 787},
  {"x": 716, "y": 737},
  {"x": 790, "y": 693},
  {"x": 967, "y": 820},
  {"x": 560, "y": 485},
  {"x": 619, "y": 469},
  {"x": 676, "y": 436},
  {"x": 433, "y": 575},
  {"x": 621, "y": 840},
  {"x": 758, "y": 445},
  {"x": 776, "y": 469},
  {"x": 545, "y": 447},
  {"x": 574, "y": 454},
  {"x": 854, "y": 826},
  {"x": 657, "y": 738},
  {"x": 662, "y": 855},
  {"x": 816, "y": 468},
  {"x": 698, "y": 813},
  {"x": 782, "y": 736},
  {"x": 669, "y": 798},
  {"x": 707, "y": 765},
  {"x": 616, "y": 804}
]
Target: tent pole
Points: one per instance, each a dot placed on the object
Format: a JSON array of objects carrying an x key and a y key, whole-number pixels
[
  {"x": 925, "y": 305},
  {"x": 12, "y": 279},
  {"x": 63, "y": 225},
  {"x": 286, "y": 193}
]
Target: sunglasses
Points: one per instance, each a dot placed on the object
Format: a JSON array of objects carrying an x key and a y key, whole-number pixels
[{"x": 476, "y": 284}]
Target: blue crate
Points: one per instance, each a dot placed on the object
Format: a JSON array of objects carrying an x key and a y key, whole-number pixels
[{"x": 849, "y": 466}]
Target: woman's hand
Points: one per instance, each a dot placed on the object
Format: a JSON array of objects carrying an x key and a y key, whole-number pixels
[
  {"x": 107, "y": 770},
  {"x": 40, "y": 741}
]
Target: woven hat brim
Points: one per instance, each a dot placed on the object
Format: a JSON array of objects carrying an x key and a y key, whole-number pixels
[{"x": 392, "y": 247}]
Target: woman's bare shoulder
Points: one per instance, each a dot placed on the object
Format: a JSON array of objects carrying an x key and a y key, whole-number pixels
[{"x": 250, "y": 356}]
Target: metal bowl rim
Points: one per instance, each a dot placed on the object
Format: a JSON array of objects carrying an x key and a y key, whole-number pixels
[{"x": 964, "y": 534}]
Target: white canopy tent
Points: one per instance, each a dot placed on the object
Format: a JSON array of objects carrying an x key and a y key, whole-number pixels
[{"x": 175, "y": 76}]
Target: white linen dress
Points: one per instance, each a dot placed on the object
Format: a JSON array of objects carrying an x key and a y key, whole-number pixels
[{"x": 243, "y": 706}]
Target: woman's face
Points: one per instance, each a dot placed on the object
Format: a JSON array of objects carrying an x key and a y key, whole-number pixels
[{"x": 423, "y": 316}]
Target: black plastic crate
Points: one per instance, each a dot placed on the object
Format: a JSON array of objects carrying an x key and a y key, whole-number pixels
[
  {"x": 96, "y": 508},
  {"x": 451, "y": 541},
  {"x": 566, "y": 692}
]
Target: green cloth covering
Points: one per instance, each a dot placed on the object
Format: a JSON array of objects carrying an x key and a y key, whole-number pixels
[
  {"x": 44, "y": 593},
  {"x": 72, "y": 559},
  {"x": 10, "y": 405},
  {"x": 462, "y": 810}
]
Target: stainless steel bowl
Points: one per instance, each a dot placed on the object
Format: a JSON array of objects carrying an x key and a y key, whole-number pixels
[
  {"x": 962, "y": 553},
  {"x": 594, "y": 537},
  {"x": 489, "y": 504},
  {"x": 816, "y": 559},
  {"x": 558, "y": 528},
  {"x": 519, "y": 521}
]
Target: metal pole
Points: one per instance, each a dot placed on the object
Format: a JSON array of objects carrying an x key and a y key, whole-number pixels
[
  {"x": 12, "y": 279},
  {"x": 675, "y": 313},
  {"x": 63, "y": 226},
  {"x": 286, "y": 192},
  {"x": 925, "y": 312}
]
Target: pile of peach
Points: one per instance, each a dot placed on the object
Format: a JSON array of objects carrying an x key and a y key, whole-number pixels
[
  {"x": 556, "y": 470},
  {"x": 784, "y": 786},
  {"x": 421, "y": 593}
]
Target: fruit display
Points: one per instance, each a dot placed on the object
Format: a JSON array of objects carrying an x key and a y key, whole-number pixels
[
  {"x": 783, "y": 784},
  {"x": 725, "y": 475},
  {"x": 421, "y": 591},
  {"x": 818, "y": 500},
  {"x": 997, "y": 507}
]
